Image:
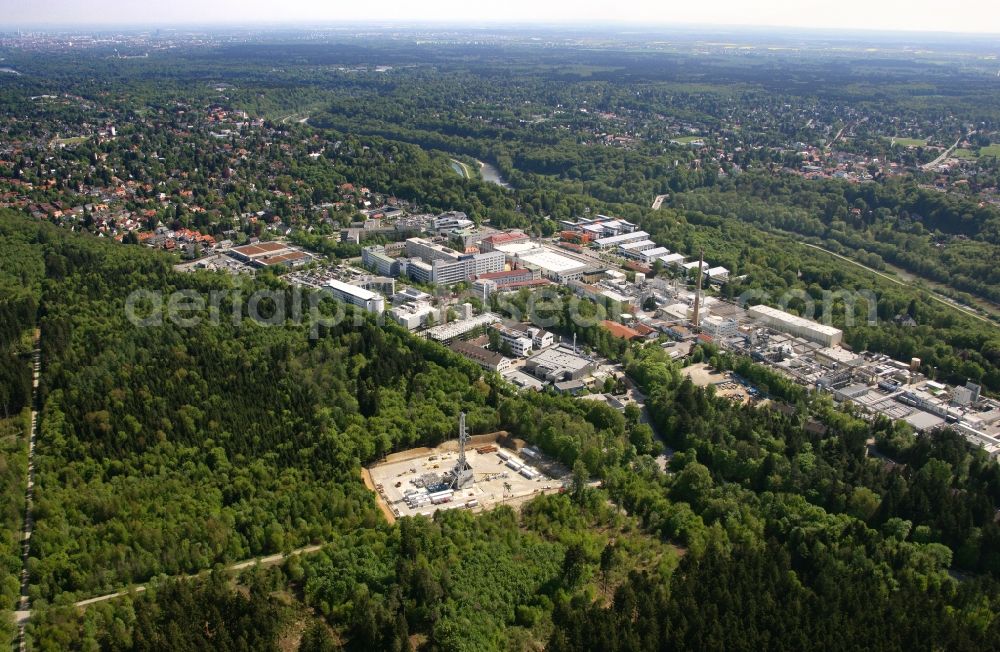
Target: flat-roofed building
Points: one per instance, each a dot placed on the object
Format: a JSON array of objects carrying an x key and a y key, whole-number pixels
[
  {"x": 620, "y": 239},
  {"x": 539, "y": 338},
  {"x": 718, "y": 327},
  {"x": 649, "y": 256},
  {"x": 694, "y": 264},
  {"x": 487, "y": 284},
  {"x": 794, "y": 325},
  {"x": 445, "y": 266},
  {"x": 599, "y": 227},
  {"x": 376, "y": 258},
  {"x": 413, "y": 315},
  {"x": 632, "y": 249},
  {"x": 270, "y": 254},
  {"x": 429, "y": 251},
  {"x": 453, "y": 330},
  {"x": 417, "y": 269},
  {"x": 356, "y": 296},
  {"x": 559, "y": 363},
  {"x": 672, "y": 260},
  {"x": 409, "y": 295},
  {"x": 558, "y": 266},
  {"x": 452, "y": 221},
  {"x": 613, "y": 225},
  {"x": 520, "y": 343}
]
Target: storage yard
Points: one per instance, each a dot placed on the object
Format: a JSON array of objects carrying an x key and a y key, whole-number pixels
[{"x": 415, "y": 482}]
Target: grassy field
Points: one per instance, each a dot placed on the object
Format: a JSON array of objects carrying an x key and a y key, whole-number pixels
[
  {"x": 964, "y": 153},
  {"x": 909, "y": 142},
  {"x": 686, "y": 139},
  {"x": 75, "y": 140},
  {"x": 991, "y": 150}
]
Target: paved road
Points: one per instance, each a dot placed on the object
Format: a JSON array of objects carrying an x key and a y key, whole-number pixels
[
  {"x": 659, "y": 201},
  {"x": 837, "y": 137},
  {"x": 946, "y": 154}
]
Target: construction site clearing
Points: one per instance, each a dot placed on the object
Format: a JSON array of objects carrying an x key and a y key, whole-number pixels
[
  {"x": 504, "y": 471},
  {"x": 727, "y": 384}
]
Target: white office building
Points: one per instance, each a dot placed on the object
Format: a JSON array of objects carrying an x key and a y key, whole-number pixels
[
  {"x": 520, "y": 343},
  {"x": 718, "y": 328},
  {"x": 443, "y": 265},
  {"x": 375, "y": 257},
  {"x": 356, "y": 296},
  {"x": 414, "y": 315}
]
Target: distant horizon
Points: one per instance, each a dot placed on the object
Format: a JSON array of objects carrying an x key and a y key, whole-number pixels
[
  {"x": 568, "y": 26},
  {"x": 960, "y": 17}
]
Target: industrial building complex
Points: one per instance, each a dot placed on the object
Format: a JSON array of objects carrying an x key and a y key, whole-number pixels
[{"x": 609, "y": 261}]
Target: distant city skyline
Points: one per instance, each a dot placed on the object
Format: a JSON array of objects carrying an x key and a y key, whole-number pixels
[{"x": 962, "y": 16}]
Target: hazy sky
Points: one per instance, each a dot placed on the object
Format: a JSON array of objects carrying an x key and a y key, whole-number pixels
[{"x": 936, "y": 15}]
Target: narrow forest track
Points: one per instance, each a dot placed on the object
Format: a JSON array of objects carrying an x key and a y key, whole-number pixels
[
  {"x": 23, "y": 612},
  {"x": 270, "y": 560}
]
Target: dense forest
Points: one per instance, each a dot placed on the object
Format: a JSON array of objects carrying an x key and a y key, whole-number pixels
[
  {"x": 169, "y": 450},
  {"x": 941, "y": 237},
  {"x": 764, "y": 529},
  {"x": 21, "y": 276}
]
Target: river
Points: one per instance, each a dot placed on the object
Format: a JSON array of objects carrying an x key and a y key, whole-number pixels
[
  {"x": 492, "y": 174},
  {"x": 488, "y": 171}
]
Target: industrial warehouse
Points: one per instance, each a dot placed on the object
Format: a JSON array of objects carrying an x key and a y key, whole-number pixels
[{"x": 472, "y": 472}]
